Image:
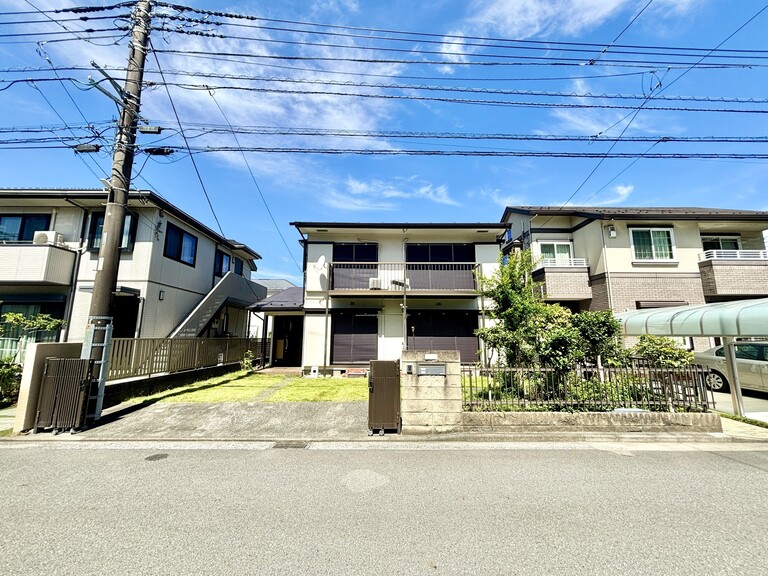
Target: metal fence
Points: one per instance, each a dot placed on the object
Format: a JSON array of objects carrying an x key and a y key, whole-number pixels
[
  {"x": 587, "y": 388},
  {"x": 132, "y": 357}
]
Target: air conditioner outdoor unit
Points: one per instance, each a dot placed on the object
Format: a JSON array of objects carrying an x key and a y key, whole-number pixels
[
  {"x": 374, "y": 283},
  {"x": 48, "y": 237}
]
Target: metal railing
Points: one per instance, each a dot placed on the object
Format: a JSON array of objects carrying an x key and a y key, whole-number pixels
[
  {"x": 734, "y": 255},
  {"x": 133, "y": 357},
  {"x": 586, "y": 388},
  {"x": 561, "y": 263},
  {"x": 396, "y": 276}
]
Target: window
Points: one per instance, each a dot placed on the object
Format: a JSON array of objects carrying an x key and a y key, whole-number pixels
[
  {"x": 221, "y": 263},
  {"x": 652, "y": 244},
  {"x": 22, "y": 228},
  {"x": 556, "y": 251},
  {"x": 238, "y": 266},
  {"x": 354, "y": 264},
  {"x": 720, "y": 242},
  {"x": 355, "y": 252},
  {"x": 128, "y": 236},
  {"x": 180, "y": 245}
]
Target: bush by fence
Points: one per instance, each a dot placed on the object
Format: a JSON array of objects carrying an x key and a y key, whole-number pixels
[{"x": 586, "y": 388}]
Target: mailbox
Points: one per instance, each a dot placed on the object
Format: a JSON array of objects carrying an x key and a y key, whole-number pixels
[{"x": 431, "y": 369}]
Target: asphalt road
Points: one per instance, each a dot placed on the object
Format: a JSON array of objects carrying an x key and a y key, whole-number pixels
[{"x": 247, "y": 508}]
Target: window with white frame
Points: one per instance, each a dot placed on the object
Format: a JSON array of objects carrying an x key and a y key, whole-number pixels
[
  {"x": 721, "y": 242},
  {"x": 653, "y": 244},
  {"x": 555, "y": 252}
]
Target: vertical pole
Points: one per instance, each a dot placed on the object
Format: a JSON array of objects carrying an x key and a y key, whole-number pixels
[
  {"x": 327, "y": 297},
  {"x": 122, "y": 164},
  {"x": 105, "y": 282},
  {"x": 733, "y": 376}
]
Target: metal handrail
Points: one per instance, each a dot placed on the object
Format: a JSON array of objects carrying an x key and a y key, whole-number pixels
[
  {"x": 734, "y": 255},
  {"x": 561, "y": 263},
  {"x": 397, "y": 276}
]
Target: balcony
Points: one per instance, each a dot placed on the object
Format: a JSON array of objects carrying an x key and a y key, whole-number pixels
[
  {"x": 392, "y": 278},
  {"x": 26, "y": 263},
  {"x": 728, "y": 273},
  {"x": 563, "y": 278}
]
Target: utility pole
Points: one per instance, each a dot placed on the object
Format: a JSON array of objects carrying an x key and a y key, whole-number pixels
[{"x": 99, "y": 321}]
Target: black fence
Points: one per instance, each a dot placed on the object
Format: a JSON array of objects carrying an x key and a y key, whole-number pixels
[{"x": 638, "y": 385}]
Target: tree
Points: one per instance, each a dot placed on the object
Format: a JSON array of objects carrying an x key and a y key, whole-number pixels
[
  {"x": 29, "y": 325},
  {"x": 662, "y": 351},
  {"x": 599, "y": 331},
  {"x": 517, "y": 298}
]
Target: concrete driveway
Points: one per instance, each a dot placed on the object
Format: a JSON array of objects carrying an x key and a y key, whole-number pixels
[
  {"x": 755, "y": 404},
  {"x": 234, "y": 421}
]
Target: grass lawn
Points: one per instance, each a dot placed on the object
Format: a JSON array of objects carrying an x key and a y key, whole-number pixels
[
  {"x": 322, "y": 390},
  {"x": 232, "y": 387},
  {"x": 245, "y": 387}
]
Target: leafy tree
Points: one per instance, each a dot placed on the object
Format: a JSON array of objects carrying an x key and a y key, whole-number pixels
[
  {"x": 517, "y": 298},
  {"x": 27, "y": 325},
  {"x": 600, "y": 332},
  {"x": 662, "y": 351}
]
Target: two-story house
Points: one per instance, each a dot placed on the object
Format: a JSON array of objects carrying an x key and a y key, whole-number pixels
[
  {"x": 598, "y": 258},
  {"x": 176, "y": 277},
  {"x": 372, "y": 290}
]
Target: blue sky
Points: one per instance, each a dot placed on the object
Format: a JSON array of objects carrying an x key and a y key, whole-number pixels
[{"x": 347, "y": 187}]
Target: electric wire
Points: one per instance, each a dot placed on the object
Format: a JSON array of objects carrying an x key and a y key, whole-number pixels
[
  {"x": 255, "y": 182},
  {"x": 181, "y": 132}
]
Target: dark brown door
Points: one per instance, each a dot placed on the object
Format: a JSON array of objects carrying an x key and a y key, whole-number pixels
[{"x": 384, "y": 395}]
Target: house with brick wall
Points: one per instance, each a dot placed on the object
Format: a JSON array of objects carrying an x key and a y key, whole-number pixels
[{"x": 600, "y": 258}]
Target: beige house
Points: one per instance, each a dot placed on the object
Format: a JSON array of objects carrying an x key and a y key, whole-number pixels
[
  {"x": 177, "y": 277},
  {"x": 372, "y": 290},
  {"x": 633, "y": 258}
]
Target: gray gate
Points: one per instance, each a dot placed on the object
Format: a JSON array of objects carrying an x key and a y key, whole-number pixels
[
  {"x": 63, "y": 399},
  {"x": 384, "y": 396}
]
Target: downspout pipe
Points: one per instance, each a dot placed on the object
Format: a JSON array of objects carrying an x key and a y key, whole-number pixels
[{"x": 64, "y": 336}]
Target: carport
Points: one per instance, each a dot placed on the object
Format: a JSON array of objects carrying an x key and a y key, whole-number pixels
[{"x": 726, "y": 320}]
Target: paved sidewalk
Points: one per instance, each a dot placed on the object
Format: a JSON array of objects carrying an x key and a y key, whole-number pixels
[
  {"x": 7, "y": 416},
  {"x": 326, "y": 422}
]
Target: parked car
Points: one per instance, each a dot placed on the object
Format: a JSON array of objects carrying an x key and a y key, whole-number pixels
[{"x": 751, "y": 360}]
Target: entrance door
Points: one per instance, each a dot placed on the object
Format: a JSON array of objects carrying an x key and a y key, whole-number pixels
[
  {"x": 287, "y": 335},
  {"x": 125, "y": 315}
]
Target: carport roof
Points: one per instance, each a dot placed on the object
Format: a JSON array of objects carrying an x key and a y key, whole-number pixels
[{"x": 741, "y": 318}]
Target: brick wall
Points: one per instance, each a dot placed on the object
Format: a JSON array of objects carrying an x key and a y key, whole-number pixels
[{"x": 723, "y": 278}]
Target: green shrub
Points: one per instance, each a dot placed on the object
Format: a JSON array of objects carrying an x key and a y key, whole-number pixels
[
  {"x": 10, "y": 382},
  {"x": 247, "y": 362},
  {"x": 662, "y": 351}
]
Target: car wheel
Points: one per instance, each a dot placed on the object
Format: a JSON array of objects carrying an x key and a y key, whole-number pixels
[{"x": 717, "y": 382}]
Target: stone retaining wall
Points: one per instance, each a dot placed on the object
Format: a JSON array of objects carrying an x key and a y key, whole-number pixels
[{"x": 591, "y": 422}]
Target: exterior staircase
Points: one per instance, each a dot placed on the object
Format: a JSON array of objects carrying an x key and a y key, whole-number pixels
[{"x": 232, "y": 289}]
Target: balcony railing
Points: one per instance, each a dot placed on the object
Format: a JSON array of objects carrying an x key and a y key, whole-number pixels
[
  {"x": 561, "y": 263},
  {"x": 734, "y": 255},
  {"x": 397, "y": 276}
]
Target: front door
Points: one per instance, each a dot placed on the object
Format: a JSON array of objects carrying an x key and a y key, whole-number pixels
[
  {"x": 287, "y": 337},
  {"x": 125, "y": 314}
]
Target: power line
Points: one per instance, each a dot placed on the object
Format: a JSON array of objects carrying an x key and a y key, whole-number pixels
[
  {"x": 258, "y": 188},
  {"x": 181, "y": 131},
  {"x": 542, "y": 62},
  {"x": 604, "y": 50},
  {"x": 545, "y": 43}
]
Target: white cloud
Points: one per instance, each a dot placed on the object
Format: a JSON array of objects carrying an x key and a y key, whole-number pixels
[
  {"x": 528, "y": 18},
  {"x": 359, "y": 195},
  {"x": 498, "y": 197},
  {"x": 620, "y": 194}
]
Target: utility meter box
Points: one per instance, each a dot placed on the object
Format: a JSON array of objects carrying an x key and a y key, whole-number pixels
[{"x": 429, "y": 369}]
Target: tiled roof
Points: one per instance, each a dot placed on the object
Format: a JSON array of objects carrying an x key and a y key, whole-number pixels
[{"x": 289, "y": 299}]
